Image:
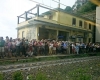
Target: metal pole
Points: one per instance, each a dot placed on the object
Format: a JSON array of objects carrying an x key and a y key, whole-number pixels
[
  {"x": 59, "y": 12},
  {"x": 26, "y": 16},
  {"x": 37, "y": 10},
  {"x": 59, "y": 4}
]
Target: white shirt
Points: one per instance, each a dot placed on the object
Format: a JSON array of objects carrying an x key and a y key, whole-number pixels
[{"x": 17, "y": 43}]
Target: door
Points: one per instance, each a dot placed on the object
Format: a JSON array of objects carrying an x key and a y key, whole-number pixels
[{"x": 63, "y": 35}]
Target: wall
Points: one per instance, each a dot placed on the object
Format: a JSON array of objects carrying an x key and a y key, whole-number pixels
[
  {"x": 66, "y": 19},
  {"x": 20, "y": 32},
  {"x": 30, "y": 32},
  {"x": 97, "y": 24}
]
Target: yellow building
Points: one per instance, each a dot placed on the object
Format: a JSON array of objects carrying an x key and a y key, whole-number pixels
[{"x": 55, "y": 24}]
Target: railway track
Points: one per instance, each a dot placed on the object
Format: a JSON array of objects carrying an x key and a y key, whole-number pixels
[{"x": 28, "y": 66}]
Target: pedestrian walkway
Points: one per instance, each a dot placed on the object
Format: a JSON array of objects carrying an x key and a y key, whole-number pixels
[{"x": 40, "y": 56}]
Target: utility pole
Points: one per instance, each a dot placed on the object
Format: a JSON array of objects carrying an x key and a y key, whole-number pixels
[
  {"x": 59, "y": 12},
  {"x": 59, "y": 4}
]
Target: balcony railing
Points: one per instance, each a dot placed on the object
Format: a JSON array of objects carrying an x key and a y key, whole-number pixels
[{"x": 37, "y": 11}]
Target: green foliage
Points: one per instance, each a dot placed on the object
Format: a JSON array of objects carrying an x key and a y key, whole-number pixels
[
  {"x": 78, "y": 6},
  {"x": 30, "y": 77},
  {"x": 1, "y": 76},
  {"x": 41, "y": 76},
  {"x": 80, "y": 74},
  {"x": 89, "y": 6},
  {"x": 68, "y": 9},
  {"x": 17, "y": 75}
]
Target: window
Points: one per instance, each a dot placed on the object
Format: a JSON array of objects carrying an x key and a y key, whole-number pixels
[
  {"x": 85, "y": 25},
  {"x": 74, "y": 21},
  {"x": 90, "y": 26},
  {"x": 50, "y": 17},
  {"x": 80, "y": 23}
]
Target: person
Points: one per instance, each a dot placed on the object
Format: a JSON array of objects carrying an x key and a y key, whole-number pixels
[
  {"x": 10, "y": 48},
  {"x": 18, "y": 47},
  {"x": 77, "y": 48},
  {"x": 54, "y": 47},
  {"x": 50, "y": 48},
  {"x": 22, "y": 48},
  {"x": 30, "y": 51},
  {"x": 73, "y": 48},
  {"x": 2, "y": 44},
  {"x": 46, "y": 48},
  {"x": 14, "y": 47},
  {"x": 65, "y": 47}
]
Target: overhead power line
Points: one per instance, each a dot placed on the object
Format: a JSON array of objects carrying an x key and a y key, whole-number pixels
[
  {"x": 52, "y": 7},
  {"x": 42, "y": 4},
  {"x": 59, "y": 3}
]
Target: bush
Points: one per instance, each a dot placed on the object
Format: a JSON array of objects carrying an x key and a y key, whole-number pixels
[
  {"x": 30, "y": 77},
  {"x": 17, "y": 75},
  {"x": 41, "y": 76},
  {"x": 1, "y": 76}
]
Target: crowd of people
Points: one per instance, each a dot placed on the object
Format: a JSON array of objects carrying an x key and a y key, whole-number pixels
[{"x": 23, "y": 47}]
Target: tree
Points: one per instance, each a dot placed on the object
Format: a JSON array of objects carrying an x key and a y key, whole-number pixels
[
  {"x": 78, "y": 6},
  {"x": 87, "y": 7},
  {"x": 68, "y": 9}
]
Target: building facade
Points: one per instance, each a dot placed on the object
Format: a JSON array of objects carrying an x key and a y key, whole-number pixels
[{"x": 55, "y": 24}]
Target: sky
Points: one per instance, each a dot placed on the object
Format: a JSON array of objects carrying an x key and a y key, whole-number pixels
[{"x": 10, "y": 9}]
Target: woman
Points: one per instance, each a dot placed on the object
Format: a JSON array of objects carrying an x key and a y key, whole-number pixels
[
  {"x": 30, "y": 48},
  {"x": 54, "y": 47},
  {"x": 73, "y": 48},
  {"x": 50, "y": 47}
]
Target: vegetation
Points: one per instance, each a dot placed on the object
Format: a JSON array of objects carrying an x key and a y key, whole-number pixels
[
  {"x": 30, "y": 77},
  {"x": 89, "y": 6},
  {"x": 80, "y": 74},
  {"x": 41, "y": 76},
  {"x": 1, "y": 76},
  {"x": 86, "y": 70},
  {"x": 68, "y": 9},
  {"x": 38, "y": 76},
  {"x": 17, "y": 75}
]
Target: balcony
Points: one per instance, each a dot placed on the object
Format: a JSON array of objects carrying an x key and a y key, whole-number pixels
[{"x": 38, "y": 11}]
